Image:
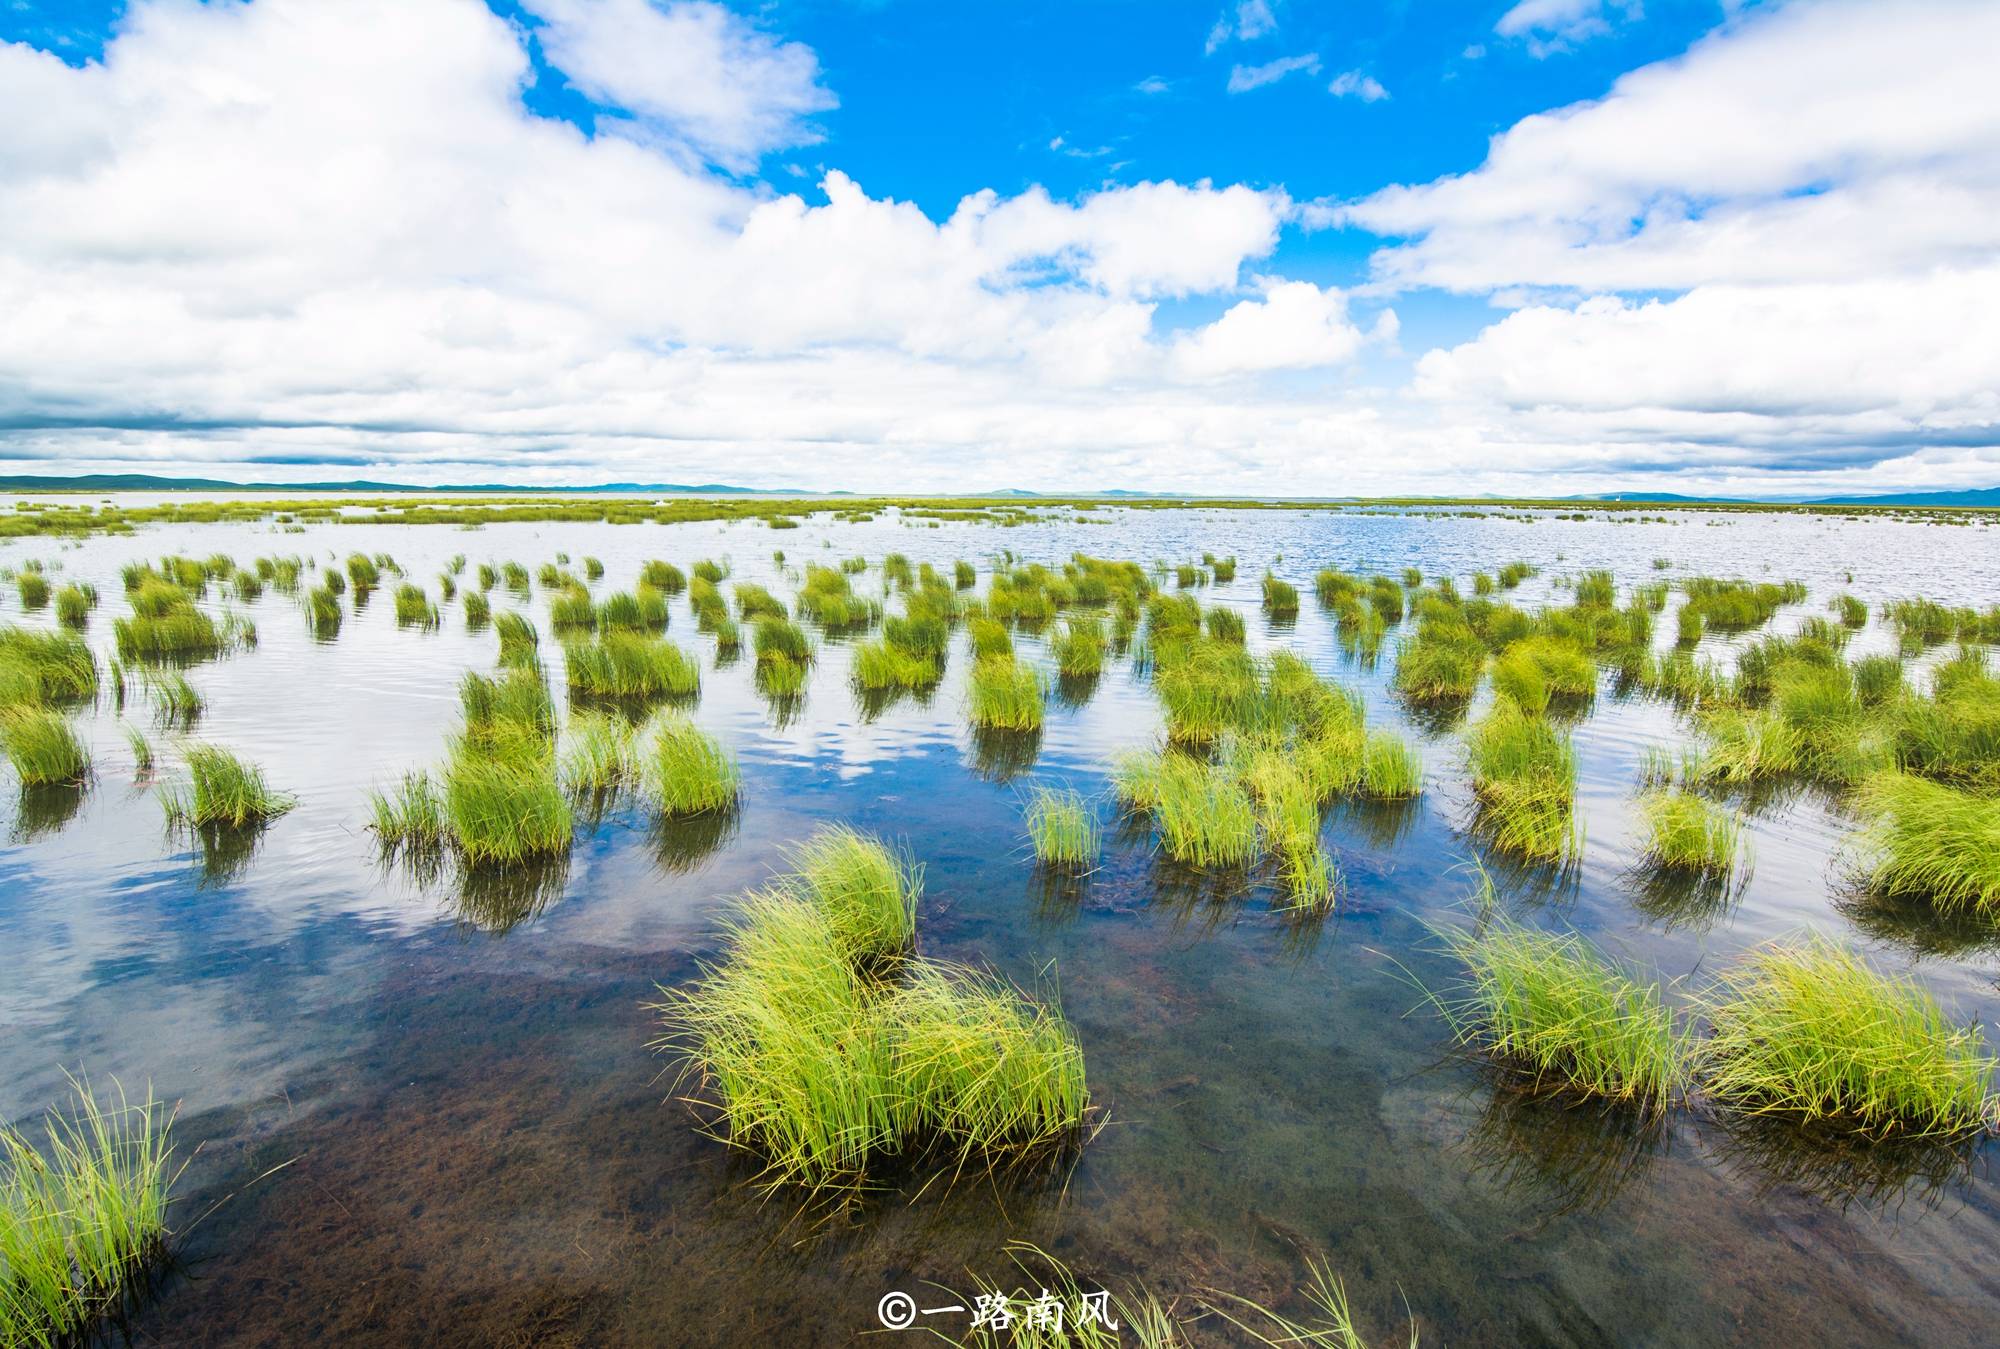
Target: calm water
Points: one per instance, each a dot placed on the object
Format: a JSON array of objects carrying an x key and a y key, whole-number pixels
[{"x": 475, "y": 1141}]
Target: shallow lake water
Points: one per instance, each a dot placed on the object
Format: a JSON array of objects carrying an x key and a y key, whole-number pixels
[{"x": 474, "y": 1145}]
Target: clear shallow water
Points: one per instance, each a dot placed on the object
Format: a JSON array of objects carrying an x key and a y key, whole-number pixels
[{"x": 478, "y": 1145}]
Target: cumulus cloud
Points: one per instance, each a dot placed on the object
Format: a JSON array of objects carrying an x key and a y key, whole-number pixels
[
  {"x": 1815, "y": 142},
  {"x": 1242, "y": 79},
  {"x": 1295, "y": 326},
  {"x": 689, "y": 69},
  {"x": 304, "y": 236}
]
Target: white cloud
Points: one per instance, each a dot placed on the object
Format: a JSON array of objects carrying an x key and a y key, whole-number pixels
[
  {"x": 1553, "y": 25},
  {"x": 1295, "y": 326},
  {"x": 690, "y": 69},
  {"x": 1816, "y": 142},
  {"x": 1152, "y": 85},
  {"x": 1354, "y": 84},
  {"x": 284, "y": 238},
  {"x": 1242, "y": 79},
  {"x": 1244, "y": 22}
]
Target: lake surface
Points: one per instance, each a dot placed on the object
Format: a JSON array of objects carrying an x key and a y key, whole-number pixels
[{"x": 477, "y": 1146}]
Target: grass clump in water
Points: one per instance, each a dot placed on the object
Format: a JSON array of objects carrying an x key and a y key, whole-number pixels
[
  {"x": 688, "y": 772},
  {"x": 1524, "y": 775},
  {"x": 1006, "y": 695},
  {"x": 882, "y": 666},
  {"x": 83, "y": 1215},
  {"x": 1806, "y": 1029},
  {"x": 631, "y": 665},
  {"x": 414, "y": 608},
  {"x": 1932, "y": 842},
  {"x": 42, "y": 746},
  {"x": 504, "y": 804},
  {"x": 45, "y": 667},
  {"x": 73, "y": 605},
  {"x": 600, "y": 756},
  {"x": 1205, "y": 816},
  {"x": 1688, "y": 834},
  {"x": 1441, "y": 662},
  {"x": 411, "y": 816},
  {"x": 1391, "y": 767},
  {"x": 1551, "y": 1008},
  {"x": 823, "y": 1046},
  {"x": 1062, "y": 827},
  {"x": 868, "y": 893},
  {"x": 223, "y": 790},
  {"x": 518, "y": 639},
  {"x": 1281, "y": 598},
  {"x": 323, "y": 613}
]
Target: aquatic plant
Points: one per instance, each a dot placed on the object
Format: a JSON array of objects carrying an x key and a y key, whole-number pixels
[
  {"x": 409, "y": 816},
  {"x": 73, "y": 605},
  {"x": 1689, "y": 834},
  {"x": 174, "y": 698},
  {"x": 45, "y": 667},
  {"x": 1225, "y": 625},
  {"x": 774, "y": 637},
  {"x": 664, "y": 577},
  {"x": 599, "y": 756},
  {"x": 513, "y": 706},
  {"x": 1006, "y": 695},
  {"x": 34, "y": 590},
  {"x": 1062, "y": 827},
  {"x": 1441, "y": 662},
  {"x": 1806, "y": 1029},
  {"x": 990, "y": 638},
  {"x": 1933, "y": 842},
  {"x": 322, "y": 609},
  {"x": 362, "y": 570},
  {"x": 812, "y": 1058},
  {"x": 504, "y": 804},
  {"x": 625, "y": 664},
  {"x": 42, "y": 746},
  {"x": 1391, "y": 768},
  {"x": 1205, "y": 817},
  {"x": 1281, "y": 598},
  {"x": 1524, "y": 775},
  {"x": 964, "y": 574},
  {"x": 222, "y": 789},
  {"x": 571, "y": 609},
  {"x": 478, "y": 610},
  {"x": 1079, "y": 648},
  {"x": 687, "y": 771},
  {"x": 414, "y": 608},
  {"x": 518, "y": 638},
  {"x": 867, "y": 891},
  {"x": 880, "y": 666},
  {"x": 1550, "y": 1007},
  {"x": 83, "y": 1215},
  {"x": 1740, "y": 747}
]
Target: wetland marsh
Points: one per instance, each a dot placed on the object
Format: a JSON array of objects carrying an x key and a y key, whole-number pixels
[{"x": 689, "y": 930}]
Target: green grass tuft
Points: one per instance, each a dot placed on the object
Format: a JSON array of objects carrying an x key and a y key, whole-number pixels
[
  {"x": 1933, "y": 842},
  {"x": 42, "y": 746},
  {"x": 1553, "y": 1009},
  {"x": 1806, "y": 1029},
  {"x": 1006, "y": 695},
  {"x": 223, "y": 790},
  {"x": 1062, "y": 828},
  {"x": 688, "y": 772},
  {"x": 1686, "y": 833},
  {"x": 83, "y": 1216},
  {"x": 1524, "y": 775}
]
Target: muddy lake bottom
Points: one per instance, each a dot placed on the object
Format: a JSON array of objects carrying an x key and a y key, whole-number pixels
[{"x": 422, "y": 1112}]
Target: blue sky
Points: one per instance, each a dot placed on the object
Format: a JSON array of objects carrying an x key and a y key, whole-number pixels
[{"x": 1261, "y": 245}]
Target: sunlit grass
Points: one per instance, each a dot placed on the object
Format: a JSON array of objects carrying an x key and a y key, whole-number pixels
[
  {"x": 45, "y": 667},
  {"x": 518, "y": 638},
  {"x": 687, "y": 771},
  {"x": 409, "y": 816},
  {"x": 414, "y": 608},
  {"x": 42, "y": 746},
  {"x": 83, "y": 1214},
  {"x": 1806, "y": 1029},
  {"x": 1554, "y": 1009},
  {"x": 1062, "y": 827},
  {"x": 1205, "y": 817},
  {"x": 625, "y": 664},
  {"x": 1686, "y": 833},
  {"x": 222, "y": 789},
  {"x": 868, "y": 892},
  {"x": 880, "y": 666},
  {"x": 1931, "y": 841},
  {"x": 1524, "y": 775},
  {"x": 323, "y": 612},
  {"x": 1006, "y": 695}
]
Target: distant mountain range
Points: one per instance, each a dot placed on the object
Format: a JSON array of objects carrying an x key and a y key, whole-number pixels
[{"x": 1988, "y": 497}]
